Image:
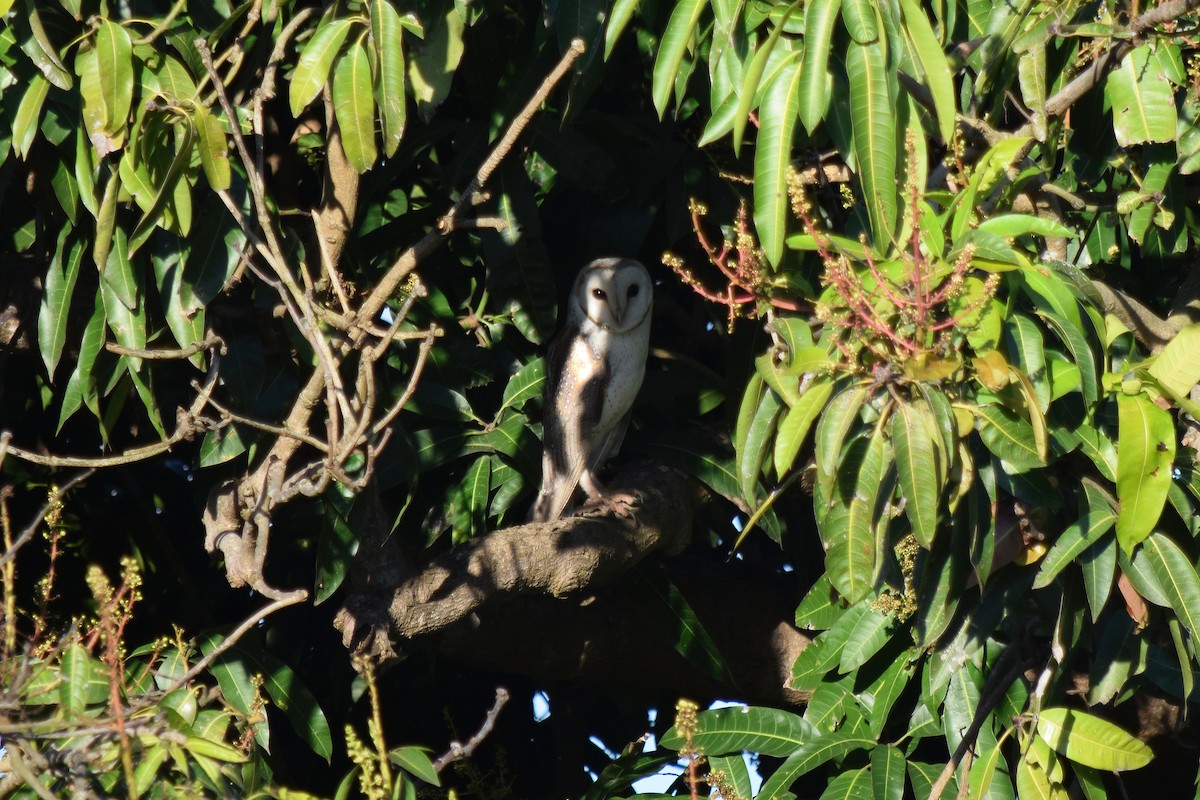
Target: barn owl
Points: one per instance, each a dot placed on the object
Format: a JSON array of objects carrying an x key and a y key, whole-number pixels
[{"x": 593, "y": 373}]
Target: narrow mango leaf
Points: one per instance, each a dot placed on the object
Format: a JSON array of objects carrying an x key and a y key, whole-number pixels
[
  {"x": 29, "y": 115},
  {"x": 720, "y": 731},
  {"x": 933, "y": 62},
  {"x": 1031, "y": 75},
  {"x": 678, "y": 34},
  {"x": 1009, "y": 437},
  {"x": 812, "y": 754},
  {"x": 873, "y": 127},
  {"x": 1142, "y": 100},
  {"x": 753, "y": 77},
  {"x": 214, "y": 149},
  {"x": 165, "y": 193},
  {"x": 312, "y": 70},
  {"x": 753, "y": 448},
  {"x": 41, "y": 49},
  {"x": 476, "y": 487},
  {"x": 1081, "y": 354},
  {"x": 850, "y": 559},
  {"x": 794, "y": 427},
  {"x": 912, "y": 432},
  {"x": 387, "y": 35},
  {"x": 1034, "y": 784},
  {"x": 813, "y": 97},
  {"x": 1092, "y": 741},
  {"x": 528, "y": 382},
  {"x": 618, "y": 20},
  {"x": 114, "y": 52},
  {"x": 1177, "y": 367},
  {"x": 73, "y": 690},
  {"x": 860, "y": 21},
  {"x": 1176, "y": 577},
  {"x": 887, "y": 772},
  {"x": 416, "y": 762},
  {"x": 772, "y": 157},
  {"x": 431, "y": 68},
  {"x": 81, "y": 386},
  {"x": 840, "y": 416},
  {"x": 354, "y": 106},
  {"x": 56, "y": 298},
  {"x": 128, "y": 323},
  {"x": 1027, "y": 351},
  {"x": 868, "y": 638},
  {"x": 1079, "y": 536},
  {"x": 216, "y": 750},
  {"x": 1145, "y": 452}
]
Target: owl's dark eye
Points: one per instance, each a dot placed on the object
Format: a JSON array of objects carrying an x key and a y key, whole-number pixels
[
  {"x": 633, "y": 290},
  {"x": 599, "y": 294}
]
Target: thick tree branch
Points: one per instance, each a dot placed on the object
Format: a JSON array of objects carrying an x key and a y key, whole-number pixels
[{"x": 556, "y": 558}]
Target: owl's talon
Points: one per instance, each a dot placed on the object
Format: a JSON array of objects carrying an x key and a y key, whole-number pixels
[{"x": 621, "y": 504}]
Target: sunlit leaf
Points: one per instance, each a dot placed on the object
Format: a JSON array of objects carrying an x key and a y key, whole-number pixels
[
  {"x": 114, "y": 50},
  {"x": 772, "y": 158},
  {"x": 312, "y": 70},
  {"x": 1145, "y": 452},
  {"x": 813, "y": 92},
  {"x": 1141, "y": 98},
  {"x": 671, "y": 49},
  {"x": 912, "y": 432},
  {"x": 354, "y": 106},
  {"x": 1092, "y": 741},
  {"x": 769, "y": 731},
  {"x": 387, "y": 35},
  {"x": 872, "y": 113}
]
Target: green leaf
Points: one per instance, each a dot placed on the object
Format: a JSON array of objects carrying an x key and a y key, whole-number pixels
[
  {"x": 416, "y": 762},
  {"x": 1026, "y": 351},
  {"x": 1092, "y": 741},
  {"x": 431, "y": 68},
  {"x": 75, "y": 670},
  {"x": 840, "y": 416},
  {"x": 29, "y": 114},
  {"x": 887, "y": 773},
  {"x": 81, "y": 386},
  {"x": 752, "y": 80},
  {"x": 1177, "y": 366},
  {"x": 934, "y": 64},
  {"x": 618, "y": 19},
  {"x": 1009, "y": 437},
  {"x": 214, "y": 149},
  {"x": 772, "y": 157},
  {"x": 1145, "y": 452},
  {"x": 312, "y": 70},
  {"x": 56, "y": 298},
  {"x": 912, "y": 432},
  {"x": 752, "y": 447},
  {"x": 1010, "y": 226},
  {"x": 866, "y": 639},
  {"x": 37, "y": 45},
  {"x": 860, "y": 21},
  {"x": 354, "y": 106},
  {"x": 814, "y": 90},
  {"x": 1176, "y": 577},
  {"x": 851, "y": 557},
  {"x": 854, "y": 784},
  {"x": 812, "y": 754},
  {"x": 690, "y": 639},
  {"x": 118, "y": 286},
  {"x": 769, "y": 731},
  {"x": 1078, "y": 536},
  {"x": 873, "y": 125},
  {"x": 671, "y": 49},
  {"x": 165, "y": 192},
  {"x": 387, "y": 35},
  {"x": 1142, "y": 100},
  {"x": 796, "y": 422},
  {"x": 115, "y": 53},
  {"x": 528, "y": 382},
  {"x": 1081, "y": 354}
]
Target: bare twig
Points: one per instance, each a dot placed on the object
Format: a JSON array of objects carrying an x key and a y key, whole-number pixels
[
  {"x": 167, "y": 354},
  {"x": 459, "y": 750},
  {"x": 291, "y": 599}
]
